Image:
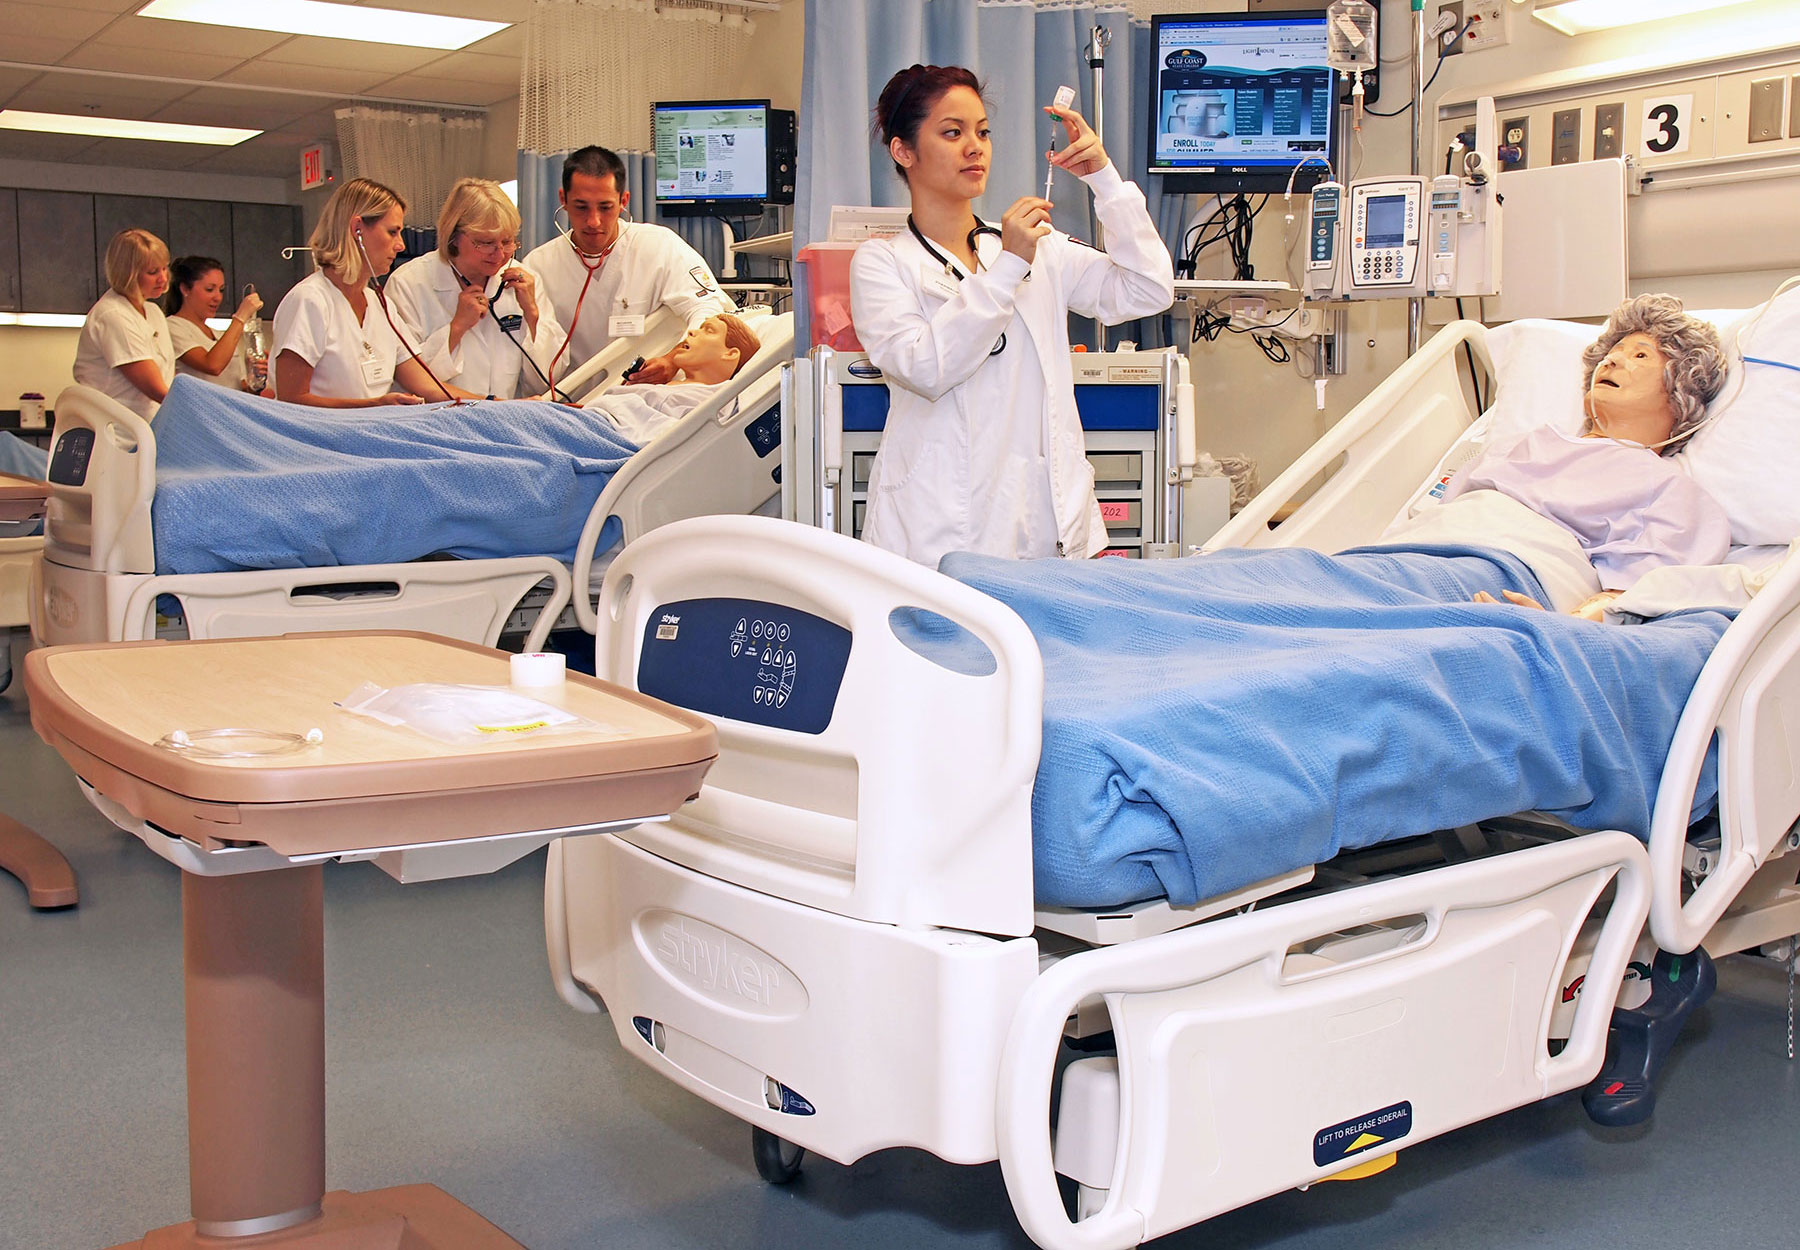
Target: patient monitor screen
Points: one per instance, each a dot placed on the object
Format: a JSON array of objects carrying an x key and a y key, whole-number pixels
[
  {"x": 712, "y": 151},
  {"x": 1241, "y": 99}
]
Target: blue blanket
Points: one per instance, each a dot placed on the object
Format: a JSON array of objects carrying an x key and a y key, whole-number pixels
[
  {"x": 1215, "y": 721},
  {"x": 249, "y": 483}
]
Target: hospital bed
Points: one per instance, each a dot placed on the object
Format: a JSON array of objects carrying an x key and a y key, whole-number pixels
[
  {"x": 98, "y": 578},
  {"x": 838, "y": 943},
  {"x": 18, "y": 554}
]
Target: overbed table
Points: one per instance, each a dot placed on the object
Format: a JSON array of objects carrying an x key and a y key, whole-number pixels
[
  {"x": 252, "y": 836},
  {"x": 40, "y": 867}
]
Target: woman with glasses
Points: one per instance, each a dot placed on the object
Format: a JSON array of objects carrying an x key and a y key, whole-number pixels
[
  {"x": 968, "y": 321},
  {"x": 480, "y": 324}
]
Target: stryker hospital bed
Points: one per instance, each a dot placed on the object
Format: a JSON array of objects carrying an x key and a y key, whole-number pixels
[
  {"x": 99, "y": 577},
  {"x": 839, "y": 941}
]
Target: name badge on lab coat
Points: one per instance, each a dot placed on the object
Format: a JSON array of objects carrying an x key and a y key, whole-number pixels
[
  {"x": 625, "y": 325},
  {"x": 375, "y": 371},
  {"x": 935, "y": 281},
  {"x": 512, "y": 321}
]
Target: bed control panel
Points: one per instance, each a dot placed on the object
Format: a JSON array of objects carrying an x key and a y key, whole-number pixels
[
  {"x": 765, "y": 663},
  {"x": 69, "y": 462}
]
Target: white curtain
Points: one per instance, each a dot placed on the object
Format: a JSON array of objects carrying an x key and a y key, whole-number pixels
[
  {"x": 592, "y": 68},
  {"x": 418, "y": 155},
  {"x": 1022, "y": 50}
]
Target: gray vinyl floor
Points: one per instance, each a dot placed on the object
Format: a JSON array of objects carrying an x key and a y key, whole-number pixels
[{"x": 451, "y": 1060}]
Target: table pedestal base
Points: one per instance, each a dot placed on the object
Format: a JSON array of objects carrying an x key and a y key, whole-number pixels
[
  {"x": 46, "y": 875},
  {"x": 406, "y": 1217}
]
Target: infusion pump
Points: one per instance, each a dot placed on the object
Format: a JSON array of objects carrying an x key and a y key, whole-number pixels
[{"x": 1406, "y": 236}]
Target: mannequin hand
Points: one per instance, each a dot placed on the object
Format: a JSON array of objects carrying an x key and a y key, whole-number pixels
[
  {"x": 248, "y": 309},
  {"x": 471, "y": 306},
  {"x": 397, "y": 397},
  {"x": 656, "y": 371},
  {"x": 519, "y": 281},
  {"x": 1513, "y": 597},
  {"x": 1593, "y": 608},
  {"x": 1084, "y": 155},
  {"x": 1027, "y": 221}
]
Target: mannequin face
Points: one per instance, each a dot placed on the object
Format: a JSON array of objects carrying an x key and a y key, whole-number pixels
[
  {"x": 953, "y": 149},
  {"x": 1628, "y": 398},
  {"x": 703, "y": 351}
]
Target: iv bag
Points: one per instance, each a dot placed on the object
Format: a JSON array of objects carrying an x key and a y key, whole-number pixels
[{"x": 1350, "y": 41}]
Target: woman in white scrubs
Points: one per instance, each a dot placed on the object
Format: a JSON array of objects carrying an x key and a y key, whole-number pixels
[
  {"x": 124, "y": 348},
  {"x": 482, "y": 324},
  {"x": 336, "y": 345},
  {"x": 196, "y": 289},
  {"x": 968, "y": 321}
]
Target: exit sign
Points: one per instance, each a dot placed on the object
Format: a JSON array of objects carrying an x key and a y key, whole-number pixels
[{"x": 312, "y": 167}]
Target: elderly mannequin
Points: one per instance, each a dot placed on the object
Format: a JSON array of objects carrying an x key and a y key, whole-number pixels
[{"x": 1649, "y": 377}]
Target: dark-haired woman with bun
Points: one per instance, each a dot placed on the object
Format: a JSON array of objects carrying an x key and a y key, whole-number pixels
[
  {"x": 968, "y": 321},
  {"x": 196, "y": 290}
]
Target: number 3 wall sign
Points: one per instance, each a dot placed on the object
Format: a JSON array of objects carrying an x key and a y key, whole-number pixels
[{"x": 1666, "y": 124}]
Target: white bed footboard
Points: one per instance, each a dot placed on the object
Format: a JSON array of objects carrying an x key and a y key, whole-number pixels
[
  {"x": 1375, "y": 457},
  {"x": 1749, "y": 694},
  {"x": 833, "y": 814},
  {"x": 102, "y": 479},
  {"x": 1255, "y": 1055}
]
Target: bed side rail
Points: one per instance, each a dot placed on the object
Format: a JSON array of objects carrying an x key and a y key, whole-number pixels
[
  {"x": 1273, "y": 1049},
  {"x": 1749, "y": 694},
  {"x": 100, "y": 517},
  {"x": 707, "y": 464},
  {"x": 840, "y": 818},
  {"x": 465, "y": 599},
  {"x": 1388, "y": 443},
  {"x": 603, "y": 370}
]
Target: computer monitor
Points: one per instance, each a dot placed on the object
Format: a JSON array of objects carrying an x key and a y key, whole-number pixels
[
  {"x": 1240, "y": 100},
  {"x": 722, "y": 157}
]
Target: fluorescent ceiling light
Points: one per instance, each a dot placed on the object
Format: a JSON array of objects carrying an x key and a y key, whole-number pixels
[
  {"x": 1580, "y": 17},
  {"x": 122, "y": 128},
  {"x": 44, "y": 321},
  {"x": 332, "y": 21}
]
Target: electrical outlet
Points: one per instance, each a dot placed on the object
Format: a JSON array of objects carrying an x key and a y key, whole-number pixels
[
  {"x": 1487, "y": 25},
  {"x": 1453, "y": 36},
  {"x": 1515, "y": 135},
  {"x": 1565, "y": 136},
  {"x": 1609, "y": 131}
]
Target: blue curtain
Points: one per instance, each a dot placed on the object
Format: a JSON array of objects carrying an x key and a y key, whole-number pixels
[
  {"x": 1022, "y": 53},
  {"x": 540, "y": 178}
]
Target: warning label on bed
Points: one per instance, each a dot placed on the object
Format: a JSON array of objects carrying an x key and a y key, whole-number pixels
[{"x": 1352, "y": 1137}]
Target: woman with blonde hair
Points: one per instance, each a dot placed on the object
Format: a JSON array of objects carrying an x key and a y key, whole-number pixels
[
  {"x": 478, "y": 314},
  {"x": 337, "y": 345},
  {"x": 124, "y": 349}
]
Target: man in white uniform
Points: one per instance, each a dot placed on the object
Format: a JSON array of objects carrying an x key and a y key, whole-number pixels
[{"x": 610, "y": 274}]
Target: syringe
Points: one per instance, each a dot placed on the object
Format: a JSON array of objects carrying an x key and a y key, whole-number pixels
[{"x": 1065, "y": 96}]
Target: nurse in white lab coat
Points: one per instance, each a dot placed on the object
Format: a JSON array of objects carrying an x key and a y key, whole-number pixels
[
  {"x": 609, "y": 274},
  {"x": 983, "y": 449},
  {"x": 477, "y": 318},
  {"x": 337, "y": 345},
  {"x": 124, "y": 348}
]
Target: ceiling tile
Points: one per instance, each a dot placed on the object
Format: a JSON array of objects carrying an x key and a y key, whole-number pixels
[
  {"x": 447, "y": 90},
  {"x": 247, "y": 159},
  {"x": 474, "y": 67},
  {"x": 158, "y": 35},
  {"x": 41, "y": 47},
  {"x": 388, "y": 58},
  {"x": 483, "y": 10},
  {"x": 189, "y": 113},
  {"x": 257, "y": 102},
  {"x": 43, "y": 19},
  {"x": 105, "y": 6},
  {"x": 24, "y": 145},
  {"x": 107, "y": 97},
  {"x": 509, "y": 42},
  {"x": 122, "y": 59},
  {"x": 12, "y": 80},
  {"x": 310, "y": 78}
]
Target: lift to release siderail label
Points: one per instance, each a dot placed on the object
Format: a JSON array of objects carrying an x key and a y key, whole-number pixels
[{"x": 1352, "y": 1137}]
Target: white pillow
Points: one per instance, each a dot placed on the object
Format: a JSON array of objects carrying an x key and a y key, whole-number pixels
[
  {"x": 1538, "y": 364},
  {"x": 1748, "y": 456}
]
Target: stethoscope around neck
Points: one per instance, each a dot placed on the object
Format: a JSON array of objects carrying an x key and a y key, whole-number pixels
[{"x": 974, "y": 239}]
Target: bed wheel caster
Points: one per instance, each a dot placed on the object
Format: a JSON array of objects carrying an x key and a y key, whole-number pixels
[
  {"x": 777, "y": 1159},
  {"x": 1643, "y": 1036}
]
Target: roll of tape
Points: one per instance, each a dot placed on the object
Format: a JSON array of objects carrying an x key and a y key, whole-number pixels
[{"x": 538, "y": 668}]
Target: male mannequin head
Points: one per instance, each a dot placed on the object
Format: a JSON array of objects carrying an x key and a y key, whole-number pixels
[{"x": 714, "y": 350}]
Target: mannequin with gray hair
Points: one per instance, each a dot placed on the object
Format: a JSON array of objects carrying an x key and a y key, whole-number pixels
[{"x": 1648, "y": 378}]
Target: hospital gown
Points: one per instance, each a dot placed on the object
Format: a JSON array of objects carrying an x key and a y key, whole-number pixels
[
  {"x": 1630, "y": 509},
  {"x": 640, "y": 413}
]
